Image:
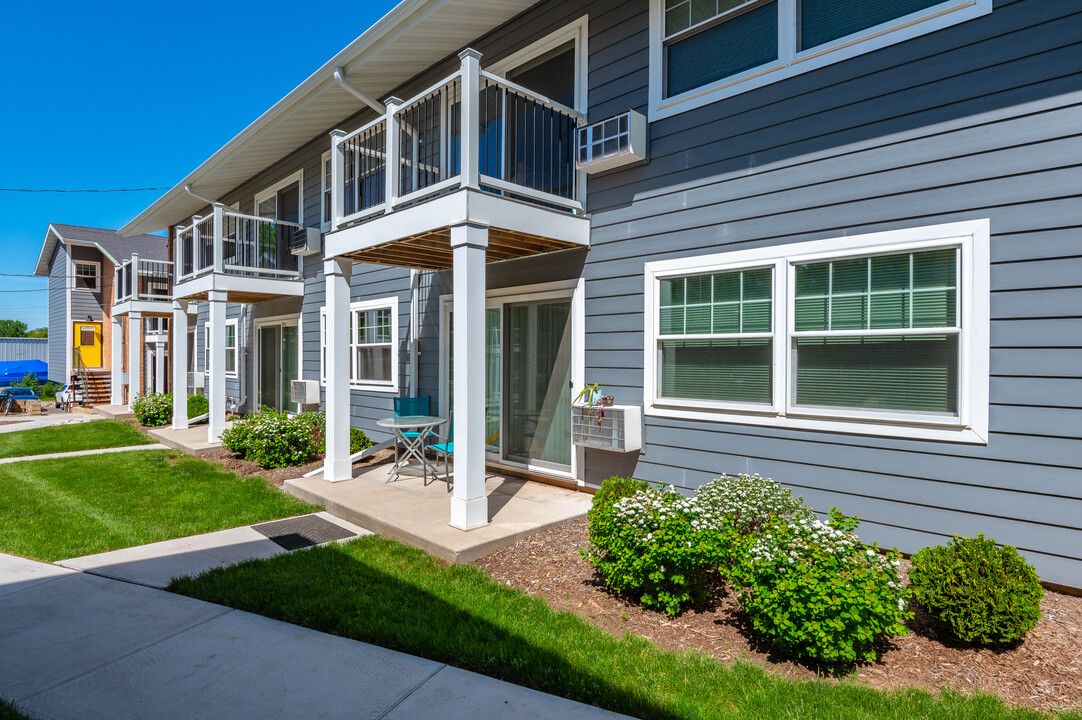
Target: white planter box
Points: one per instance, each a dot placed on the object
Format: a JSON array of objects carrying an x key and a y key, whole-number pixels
[{"x": 618, "y": 430}]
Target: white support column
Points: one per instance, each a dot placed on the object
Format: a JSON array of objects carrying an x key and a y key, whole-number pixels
[
  {"x": 393, "y": 164},
  {"x": 180, "y": 364},
  {"x": 216, "y": 365},
  {"x": 471, "y": 89},
  {"x": 159, "y": 367},
  {"x": 219, "y": 241},
  {"x": 469, "y": 505},
  {"x": 336, "y": 464},
  {"x": 116, "y": 384},
  {"x": 133, "y": 273},
  {"x": 135, "y": 376},
  {"x": 338, "y": 172}
]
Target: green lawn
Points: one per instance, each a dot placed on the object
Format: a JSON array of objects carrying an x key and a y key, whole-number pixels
[
  {"x": 7, "y": 712},
  {"x": 380, "y": 591},
  {"x": 67, "y": 438},
  {"x": 56, "y": 509}
]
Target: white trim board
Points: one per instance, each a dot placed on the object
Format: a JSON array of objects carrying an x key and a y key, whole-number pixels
[{"x": 971, "y": 424}]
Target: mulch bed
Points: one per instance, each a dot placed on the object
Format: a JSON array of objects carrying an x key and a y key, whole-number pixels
[
  {"x": 1044, "y": 671},
  {"x": 278, "y": 476}
]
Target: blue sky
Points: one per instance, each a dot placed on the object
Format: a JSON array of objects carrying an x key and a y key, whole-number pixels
[{"x": 136, "y": 94}]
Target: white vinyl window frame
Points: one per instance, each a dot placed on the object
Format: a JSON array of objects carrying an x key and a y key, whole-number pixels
[
  {"x": 791, "y": 61},
  {"x": 391, "y": 386},
  {"x": 325, "y": 188},
  {"x": 77, "y": 276},
  {"x": 970, "y": 425},
  {"x": 272, "y": 190},
  {"x": 229, "y": 350}
]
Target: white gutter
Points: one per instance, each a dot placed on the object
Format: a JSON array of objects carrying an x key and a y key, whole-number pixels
[{"x": 340, "y": 78}]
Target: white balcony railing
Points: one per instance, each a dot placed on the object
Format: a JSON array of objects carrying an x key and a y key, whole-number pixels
[
  {"x": 139, "y": 279},
  {"x": 232, "y": 243},
  {"x": 518, "y": 144}
]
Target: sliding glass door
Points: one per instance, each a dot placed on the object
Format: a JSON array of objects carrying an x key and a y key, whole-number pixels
[{"x": 278, "y": 346}]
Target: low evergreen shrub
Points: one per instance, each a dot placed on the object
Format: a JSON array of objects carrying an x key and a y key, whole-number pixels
[
  {"x": 198, "y": 405},
  {"x": 358, "y": 441},
  {"x": 271, "y": 439},
  {"x": 153, "y": 409},
  {"x": 984, "y": 594},
  {"x": 816, "y": 593}
]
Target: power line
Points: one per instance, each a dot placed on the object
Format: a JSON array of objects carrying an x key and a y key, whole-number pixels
[{"x": 54, "y": 190}]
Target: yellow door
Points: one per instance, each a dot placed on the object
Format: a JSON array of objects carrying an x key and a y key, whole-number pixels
[{"x": 88, "y": 341}]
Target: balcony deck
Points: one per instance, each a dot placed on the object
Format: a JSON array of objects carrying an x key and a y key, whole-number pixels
[{"x": 143, "y": 286}]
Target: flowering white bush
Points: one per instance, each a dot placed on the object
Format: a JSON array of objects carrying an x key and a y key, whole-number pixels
[
  {"x": 749, "y": 502},
  {"x": 271, "y": 438},
  {"x": 816, "y": 591}
]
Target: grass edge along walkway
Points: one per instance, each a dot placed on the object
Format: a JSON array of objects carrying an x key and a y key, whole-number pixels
[
  {"x": 70, "y": 507},
  {"x": 93, "y": 435},
  {"x": 380, "y": 591}
]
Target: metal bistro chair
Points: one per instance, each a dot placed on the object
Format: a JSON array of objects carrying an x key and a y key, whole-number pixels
[
  {"x": 404, "y": 406},
  {"x": 447, "y": 448}
]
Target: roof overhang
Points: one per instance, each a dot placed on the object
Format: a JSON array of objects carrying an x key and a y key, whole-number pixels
[
  {"x": 408, "y": 40},
  {"x": 48, "y": 247}
]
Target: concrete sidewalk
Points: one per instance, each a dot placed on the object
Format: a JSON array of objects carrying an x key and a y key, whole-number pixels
[
  {"x": 81, "y": 453},
  {"x": 12, "y": 423},
  {"x": 74, "y": 645}
]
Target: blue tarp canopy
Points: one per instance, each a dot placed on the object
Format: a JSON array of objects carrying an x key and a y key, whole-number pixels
[{"x": 12, "y": 371}]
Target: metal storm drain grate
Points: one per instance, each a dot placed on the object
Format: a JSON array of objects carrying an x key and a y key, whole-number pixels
[{"x": 301, "y": 532}]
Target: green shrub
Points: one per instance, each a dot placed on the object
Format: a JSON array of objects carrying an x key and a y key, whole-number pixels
[
  {"x": 750, "y": 502},
  {"x": 198, "y": 405},
  {"x": 358, "y": 441},
  {"x": 654, "y": 546},
  {"x": 153, "y": 409},
  {"x": 613, "y": 489},
  {"x": 271, "y": 438},
  {"x": 815, "y": 592},
  {"x": 30, "y": 380},
  {"x": 50, "y": 390},
  {"x": 985, "y": 594}
]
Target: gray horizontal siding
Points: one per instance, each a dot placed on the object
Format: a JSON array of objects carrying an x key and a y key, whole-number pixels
[{"x": 59, "y": 330}]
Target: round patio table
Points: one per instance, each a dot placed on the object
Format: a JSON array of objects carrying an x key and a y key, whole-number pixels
[{"x": 414, "y": 446}]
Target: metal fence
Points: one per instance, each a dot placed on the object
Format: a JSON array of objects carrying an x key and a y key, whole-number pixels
[{"x": 24, "y": 349}]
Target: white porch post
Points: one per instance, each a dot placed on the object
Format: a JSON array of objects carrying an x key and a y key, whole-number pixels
[
  {"x": 216, "y": 365},
  {"x": 469, "y": 505},
  {"x": 116, "y": 385},
  {"x": 159, "y": 367},
  {"x": 180, "y": 364},
  {"x": 336, "y": 464},
  {"x": 135, "y": 377}
]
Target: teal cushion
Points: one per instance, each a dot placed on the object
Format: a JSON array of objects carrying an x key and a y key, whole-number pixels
[{"x": 448, "y": 448}]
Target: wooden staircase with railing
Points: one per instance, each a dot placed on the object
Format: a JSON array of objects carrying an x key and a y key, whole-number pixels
[{"x": 99, "y": 387}]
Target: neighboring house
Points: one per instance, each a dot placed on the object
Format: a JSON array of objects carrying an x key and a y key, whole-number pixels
[
  {"x": 93, "y": 330},
  {"x": 848, "y": 260}
]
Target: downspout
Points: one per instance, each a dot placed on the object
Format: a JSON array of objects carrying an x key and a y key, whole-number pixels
[
  {"x": 340, "y": 78},
  {"x": 415, "y": 323},
  {"x": 197, "y": 196}
]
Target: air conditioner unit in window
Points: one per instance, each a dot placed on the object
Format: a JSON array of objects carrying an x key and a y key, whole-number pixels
[
  {"x": 304, "y": 392},
  {"x": 611, "y": 143},
  {"x": 305, "y": 241}
]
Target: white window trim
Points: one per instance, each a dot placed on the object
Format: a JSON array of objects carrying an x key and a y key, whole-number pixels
[
  {"x": 391, "y": 386},
  {"x": 75, "y": 275},
  {"x": 206, "y": 348},
  {"x": 324, "y": 222},
  {"x": 971, "y": 425},
  {"x": 790, "y": 62},
  {"x": 271, "y": 190}
]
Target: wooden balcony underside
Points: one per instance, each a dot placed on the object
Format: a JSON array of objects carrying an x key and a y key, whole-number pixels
[{"x": 432, "y": 250}]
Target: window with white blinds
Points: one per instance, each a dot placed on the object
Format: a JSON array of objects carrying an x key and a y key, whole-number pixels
[
  {"x": 701, "y": 48},
  {"x": 373, "y": 333},
  {"x": 887, "y": 330}
]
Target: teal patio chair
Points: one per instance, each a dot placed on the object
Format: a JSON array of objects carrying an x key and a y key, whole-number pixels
[
  {"x": 410, "y": 406},
  {"x": 446, "y": 447}
]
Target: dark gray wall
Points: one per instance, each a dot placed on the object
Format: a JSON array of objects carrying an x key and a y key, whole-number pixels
[
  {"x": 86, "y": 303},
  {"x": 59, "y": 329},
  {"x": 975, "y": 121}
]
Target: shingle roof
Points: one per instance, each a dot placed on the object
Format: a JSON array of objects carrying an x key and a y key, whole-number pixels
[{"x": 118, "y": 247}]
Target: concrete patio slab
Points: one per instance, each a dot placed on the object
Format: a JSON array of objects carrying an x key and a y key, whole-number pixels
[
  {"x": 84, "y": 647},
  {"x": 154, "y": 565},
  {"x": 114, "y": 412},
  {"x": 192, "y": 440},
  {"x": 417, "y": 515},
  {"x": 18, "y": 573},
  {"x": 80, "y": 453}
]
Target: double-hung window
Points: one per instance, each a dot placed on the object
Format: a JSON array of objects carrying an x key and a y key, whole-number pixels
[
  {"x": 702, "y": 50},
  {"x": 877, "y": 334},
  {"x": 86, "y": 275},
  {"x": 230, "y": 348},
  {"x": 373, "y": 333}
]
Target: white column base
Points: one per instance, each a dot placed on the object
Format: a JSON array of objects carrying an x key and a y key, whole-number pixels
[
  {"x": 337, "y": 469},
  {"x": 469, "y": 514}
]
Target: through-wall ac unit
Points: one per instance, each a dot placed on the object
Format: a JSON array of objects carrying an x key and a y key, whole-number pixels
[
  {"x": 195, "y": 380},
  {"x": 305, "y": 241},
  {"x": 611, "y": 143},
  {"x": 304, "y": 392}
]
